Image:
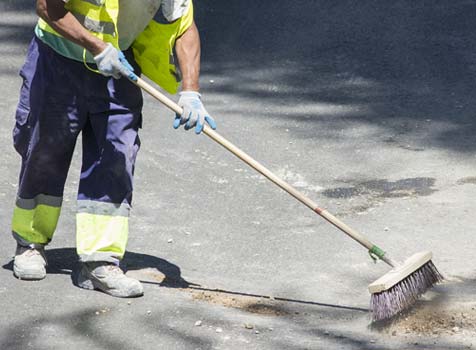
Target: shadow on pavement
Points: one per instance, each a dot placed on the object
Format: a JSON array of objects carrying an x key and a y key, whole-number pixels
[
  {"x": 406, "y": 68},
  {"x": 65, "y": 260},
  {"x": 86, "y": 328},
  {"x": 156, "y": 271},
  {"x": 319, "y": 322}
]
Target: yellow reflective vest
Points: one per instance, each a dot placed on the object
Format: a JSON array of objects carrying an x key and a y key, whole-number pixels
[{"x": 153, "y": 48}]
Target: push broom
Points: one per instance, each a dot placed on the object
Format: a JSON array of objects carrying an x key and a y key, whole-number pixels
[{"x": 393, "y": 292}]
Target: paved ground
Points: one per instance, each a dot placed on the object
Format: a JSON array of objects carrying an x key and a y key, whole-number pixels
[{"x": 366, "y": 107}]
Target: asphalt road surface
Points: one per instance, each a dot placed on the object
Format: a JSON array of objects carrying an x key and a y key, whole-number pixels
[{"x": 366, "y": 106}]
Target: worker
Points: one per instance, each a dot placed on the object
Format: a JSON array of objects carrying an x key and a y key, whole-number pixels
[{"x": 73, "y": 83}]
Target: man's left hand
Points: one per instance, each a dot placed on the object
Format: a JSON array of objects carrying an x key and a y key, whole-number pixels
[{"x": 194, "y": 113}]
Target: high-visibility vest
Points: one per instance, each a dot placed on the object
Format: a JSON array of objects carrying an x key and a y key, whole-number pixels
[
  {"x": 99, "y": 17},
  {"x": 153, "y": 48}
]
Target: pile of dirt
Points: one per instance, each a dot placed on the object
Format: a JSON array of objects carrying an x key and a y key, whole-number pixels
[{"x": 459, "y": 319}]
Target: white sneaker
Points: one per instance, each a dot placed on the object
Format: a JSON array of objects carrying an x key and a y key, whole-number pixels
[
  {"x": 109, "y": 279},
  {"x": 29, "y": 263}
]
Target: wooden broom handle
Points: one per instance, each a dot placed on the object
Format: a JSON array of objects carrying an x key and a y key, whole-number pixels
[{"x": 258, "y": 167}]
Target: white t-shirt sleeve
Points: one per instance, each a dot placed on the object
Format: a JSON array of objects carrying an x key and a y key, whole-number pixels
[{"x": 174, "y": 9}]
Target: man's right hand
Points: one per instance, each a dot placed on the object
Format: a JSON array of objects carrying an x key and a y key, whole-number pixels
[{"x": 111, "y": 62}]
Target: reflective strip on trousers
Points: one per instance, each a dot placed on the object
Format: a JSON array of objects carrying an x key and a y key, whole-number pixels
[
  {"x": 102, "y": 229},
  {"x": 34, "y": 220}
]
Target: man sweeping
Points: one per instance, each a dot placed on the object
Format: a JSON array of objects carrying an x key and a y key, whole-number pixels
[{"x": 72, "y": 84}]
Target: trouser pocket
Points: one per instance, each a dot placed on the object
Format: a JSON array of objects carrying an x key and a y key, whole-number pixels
[{"x": 22, "y": 132}]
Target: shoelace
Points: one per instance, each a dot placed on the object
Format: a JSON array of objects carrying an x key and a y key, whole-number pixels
[
  {"x": 31, "y": 252},
  {"x": 113, "y": 269}
]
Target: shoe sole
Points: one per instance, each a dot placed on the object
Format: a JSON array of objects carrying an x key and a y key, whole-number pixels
[{"x": 29, "y": 276}]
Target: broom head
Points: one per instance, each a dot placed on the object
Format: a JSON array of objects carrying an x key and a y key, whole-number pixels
[{"x": 402, "y": 286}]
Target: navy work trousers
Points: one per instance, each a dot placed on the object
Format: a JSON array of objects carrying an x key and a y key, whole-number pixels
[{"x": 59, "y": 99}]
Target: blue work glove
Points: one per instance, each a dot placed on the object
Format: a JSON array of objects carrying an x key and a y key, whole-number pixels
[
  {"x": 111, "y": 62},
  {"x": 194, "y": 113}
]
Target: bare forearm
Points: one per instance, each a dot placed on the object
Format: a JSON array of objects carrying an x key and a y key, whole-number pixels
[
  {"x": 188, "y": 54},
  {"x": 63, "y": 22}
]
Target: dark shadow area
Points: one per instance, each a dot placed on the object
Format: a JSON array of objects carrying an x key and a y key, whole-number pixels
[
  {"x": 65, "y": 261},
  {"x": 81, "y": 323},
  {"x": 17, "y": 5},
  {"x": 402, "y": 64},
  {"x": 16, "y": 33},
  {"x": 406, "y": 67},
  {"x": 318, "y": 322},
  {"x": 13, "y": 27},
  {"x": 86, "y": 326}
]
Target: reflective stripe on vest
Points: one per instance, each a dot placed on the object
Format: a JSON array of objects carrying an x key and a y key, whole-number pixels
[
  {"x": 153, "y": 50},
  {"x": 98, "y": 16},
  {"x": 96, "y": 2},
  {"x": 96, "y": 26}
]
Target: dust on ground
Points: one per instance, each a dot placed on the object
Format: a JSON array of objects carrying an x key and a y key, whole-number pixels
[
  {"x": 252, "y": 304},
  {"x": 428, "y": 320},
  {"x": 263, "y": 305}
]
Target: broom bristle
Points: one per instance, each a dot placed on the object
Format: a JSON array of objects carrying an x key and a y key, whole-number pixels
[{"x": 390, "y": 302}]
